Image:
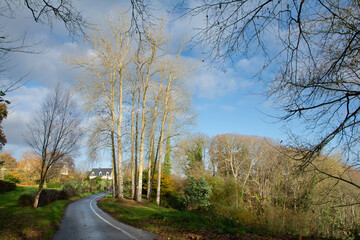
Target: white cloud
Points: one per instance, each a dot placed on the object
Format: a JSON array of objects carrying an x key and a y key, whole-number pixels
[
  {"x": 24, "y": 103},
  {"x": 210, "y": 84}
]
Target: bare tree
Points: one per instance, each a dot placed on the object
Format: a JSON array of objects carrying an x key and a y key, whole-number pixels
[
  {"x": 55, "y": 132},
  {"x": 316, "y": 59},
  {"x": 45, "y": 11},
  {"x": 107, "y": 70},
  {"x": 153, "y": 42}
]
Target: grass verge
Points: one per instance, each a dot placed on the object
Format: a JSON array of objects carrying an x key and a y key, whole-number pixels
[
  {"x": 172, "y": 224},
  {"x": 29, "y": 223}
]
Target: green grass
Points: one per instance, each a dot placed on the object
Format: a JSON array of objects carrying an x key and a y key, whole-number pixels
[
  {"x": 9, "y": 199},
  {"x": 171, "y": 223},
  {"x": 29, "y": 223}
]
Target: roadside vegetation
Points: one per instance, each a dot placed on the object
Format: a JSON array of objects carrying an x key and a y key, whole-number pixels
[
  {"x": 18, "y": 218},
  {"x": 170, "y": 223}
]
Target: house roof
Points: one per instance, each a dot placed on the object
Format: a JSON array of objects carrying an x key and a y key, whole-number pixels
[{"x": 103, "y": 171}]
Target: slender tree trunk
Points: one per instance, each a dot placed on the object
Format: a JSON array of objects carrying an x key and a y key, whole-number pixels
[
  {"x": 120, "y": 170},
  {"x": 38, "y": 192},
  {"x": 158, "y": 189},
  {"x": 133, "y": 172},
  {"x": 155, "y": 164},
  {"x": 166, "y": 107},
  {"x": 143, "y": 124},
  {"x": 141, "y": 150},
  {"x": 136, "y": 145},
  {"x": 151, "y": 151},
  {"x": 151, "y": 157},
  {"x": 114, "y": 180}
]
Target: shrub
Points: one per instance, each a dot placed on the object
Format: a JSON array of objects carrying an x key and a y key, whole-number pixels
[
  {"x": 48, "y": 196},
  {"x": 74, "y": 185},
  {"x": 6, "y": 186},
  {"x": 26, "y": 200},
  {"x": 197, "y": 192},
  {"x": 86, "y": 186},
  {"x": 11, "y": 178},
  {"x": 66, "y": 194},
  {"x": 101, "y": 184},
  {"x": 177, "y": 200}
]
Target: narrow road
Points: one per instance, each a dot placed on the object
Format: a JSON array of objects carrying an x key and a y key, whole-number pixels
[{"x": 83, "y": 219}]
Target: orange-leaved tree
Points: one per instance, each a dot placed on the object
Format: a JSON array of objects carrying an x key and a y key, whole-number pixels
[{"x": 28, "y": 168}]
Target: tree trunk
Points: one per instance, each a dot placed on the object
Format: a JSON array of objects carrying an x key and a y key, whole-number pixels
[
  {"x": 151, "y": 152},
  {"x": 155, "y": 164},
  {"x": 120, "y": 170},
  {"x": 136, "y": 146},
  {"x": 114, "y": 180},
  {"x": 141, "y": 150},
  {"x": 37, "y": 195},
  {"x": 132, "y": 158}
]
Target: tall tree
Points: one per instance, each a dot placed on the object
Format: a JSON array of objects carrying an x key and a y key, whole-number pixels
[
  {"x": 55, "y": 132},
  {"x": 107, "y": 71},
  {"x": 174, "y": 71},
  {"x": 313, "y": 48},
  {"x": 154, "y": 41}
]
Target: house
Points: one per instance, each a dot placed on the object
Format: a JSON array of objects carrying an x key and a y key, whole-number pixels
[
  {"x": 64, "y": 170},
  {"x": 103, "y": 173}
]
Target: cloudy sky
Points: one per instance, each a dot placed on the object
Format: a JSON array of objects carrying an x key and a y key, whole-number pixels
[{"x": 225, "y": 101}]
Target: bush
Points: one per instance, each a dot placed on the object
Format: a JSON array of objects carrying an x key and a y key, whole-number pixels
[
  {"x": 74, "y": 185},
  {"x": 48, "y": 196},
  {"x": 53, "y": 185},
  {"x": 6, "y": 186},
  {"x": 11, "y": 178},
  {"x": 26, "y": 200},
  {"x": 197, "y": 192},
  {"x": 66, "y": 194},
  {"x": 177, "y": 201}
]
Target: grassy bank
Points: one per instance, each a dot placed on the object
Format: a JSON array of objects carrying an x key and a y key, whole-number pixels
[
  {"x": 173, "y": 224},
  {"x": 28, "y": 223}
]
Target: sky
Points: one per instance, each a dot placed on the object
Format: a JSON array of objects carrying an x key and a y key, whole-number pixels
[{"x": 224, "y": 101}]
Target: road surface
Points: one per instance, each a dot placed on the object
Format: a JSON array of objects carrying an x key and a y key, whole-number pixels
[{"x": 84, "y": 220}]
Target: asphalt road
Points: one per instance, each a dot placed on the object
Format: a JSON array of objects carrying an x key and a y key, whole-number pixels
[{"x": 84, "y": 220}]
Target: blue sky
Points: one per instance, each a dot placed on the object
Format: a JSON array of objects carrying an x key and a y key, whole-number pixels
[{"x": 225, "y": 101}]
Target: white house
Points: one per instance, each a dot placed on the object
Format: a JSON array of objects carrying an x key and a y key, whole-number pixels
[{"x": 103, "y": 173}]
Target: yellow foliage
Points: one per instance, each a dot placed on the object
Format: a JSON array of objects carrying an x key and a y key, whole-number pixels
[{"x": 167, "y": 184}]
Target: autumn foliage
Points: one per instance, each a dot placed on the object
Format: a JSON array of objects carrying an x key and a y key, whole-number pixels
[{"x": 28, "y": 168}]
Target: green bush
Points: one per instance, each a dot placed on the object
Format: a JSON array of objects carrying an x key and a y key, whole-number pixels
[
  {"x": 11, "y": 178},
  {"x": 47, "y": 196},
  {"x": 74, "y": 185},
  {"x": 53, "y": 185},
  {"x": 26, "y": 200},
  {"x": 198, "y": 193},
  {"x": 101, "y": 184},
  {"x": 86, "y": 186},
  {"x": 6, "y": 186},
  {"x": 177, "y": 200}
]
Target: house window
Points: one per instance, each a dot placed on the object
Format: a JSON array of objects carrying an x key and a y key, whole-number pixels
[
  {"x": 93, "y": 174},
  {"x": 107, "y": 174},
  {"x": 100, "y": 173}
]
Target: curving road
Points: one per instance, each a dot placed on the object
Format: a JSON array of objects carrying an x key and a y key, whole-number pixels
[{"x": 83, "y": 219}]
